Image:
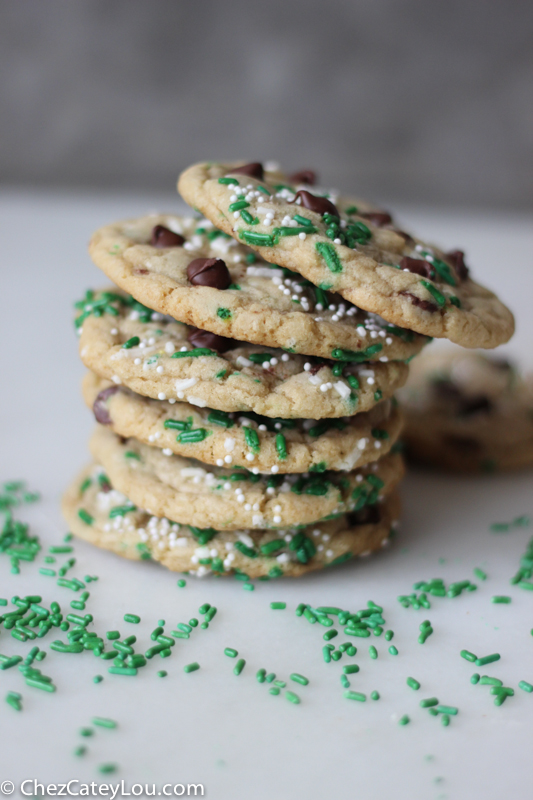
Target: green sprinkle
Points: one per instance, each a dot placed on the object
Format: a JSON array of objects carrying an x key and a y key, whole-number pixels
[
  {"x": 112, "y": 635},
  {"x": 257, "y": 239},
  {"x": 181, "y": 583},
  {"x": 270, "y": 677},
  {"x": 196, "y": 352},
  {"x": 405, "y": 720},
  {"x": 252, "y": 440},
  {"x": 350, "y": 669},
  {"x": 500, "y": 598},
  {"x": 46, "y": 571},
  {"x": 525, "y": 686},
  {"x": 480, "y": 662},
  {"x": 329, "y": 254},
  {"x": 278, "y": 606},
  {"x": 425, "y": 633},
  {"x": 468, "y": 656},
  {"x": 86, "y": 732},
  {"x": 292, "y": 698},
  {"x": 450, "y": 710},
  {"x": 274, "y": 691},
  {"x": 228, "y": 181},
  {"x": 107, "y": 769},
  {"x": 85, "y": 516},
  {"x": 133, "y": 342},
  {"x": 330, "y": 634},
  {"x": 487, "y": 680},
  {"x": 134, "y": 618},
  {"x": 220, "y": 418},
  {"x": 122, "y": 670},
  {"x": 224, "y": 313},
  {"x": 14, "y": 699},
  {"x": 260, "y": 675},
  {"x": 230, "y": 652},
  {"x": 359, "y": 696},
  {"x": 429, "y": 702},
  {"x": 374, "y": 695},
  {"x": 393, "y": 650},
  {"x": 80, "y": 751},
  {"x": 239, "y": 205},
  {"x": 297, "y": 678},
  {"x": 98, "y": 679},
  {"x": 191, "y": 667},
  {"x": 104, "y": 722},
  {"x": 326, "y": 653},
  {"x": 479, "y": 574},
  {"x": 389, "y": 635},
  {"x": 445, "y": 720},
  {"x": 413, "y": 684},
  {"x": 434, "y": 292},
  {"x": 475, "y": 678},
  {"x": 281, "y": 446}
]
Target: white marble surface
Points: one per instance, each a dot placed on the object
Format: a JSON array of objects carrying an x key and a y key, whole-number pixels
[{"x": 214, "y": 728}]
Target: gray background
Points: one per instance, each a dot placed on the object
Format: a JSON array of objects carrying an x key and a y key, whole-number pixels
[{"x": 412, "y": 100}]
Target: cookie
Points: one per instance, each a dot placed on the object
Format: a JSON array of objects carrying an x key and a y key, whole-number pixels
[
  {"x": 184, "y": 490},
  {"x": 125, "y": 342},
  {"x": 349, "y": 248},
  {"x": 103, "y": 516},
  {"x": 189, "y": 270},
  {"x": 261, "y": 444},
  {"x": 467, "y": 412}
]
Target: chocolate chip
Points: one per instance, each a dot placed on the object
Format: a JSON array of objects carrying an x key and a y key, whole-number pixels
[
  {"x": 139, "y": 271},
  {"x": 317, "y": 367},
  {"x": 307, "y": 176},
  {"x": 104, "y": 484},
  {"x": 254, "y": 170},
  {"x": 209, "y": 272},
  {"x": 377, "y": 218},
  {"x": 163, "y": 237},
  {"x": 200, "y": 338},
  {"x": 447, "y": 390},
  {"x": 100, "y": 405},
  {"x": 368, "y": 515},
  {"x": 319, "y": 204},
  {"x": 417, "y": 265},
  {"x": 425, "y": 305},
  {"x": 407, "y": 236},
  {"x": 457, "y": 258}
]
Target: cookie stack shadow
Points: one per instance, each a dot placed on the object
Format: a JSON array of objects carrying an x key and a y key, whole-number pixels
[{"x": 246, "y": 414}]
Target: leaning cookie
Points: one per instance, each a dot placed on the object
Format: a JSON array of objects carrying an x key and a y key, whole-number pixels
[
  {"x": 191, "y": 270},
  {"x": 98, "y": 513},
  {"x": 345, "y": 248},
  {"x": 262, "y": 444},
  {"x": 184, "y": 490},
  {"x": 157, "y": 357},
  {"x": 467, "y": 412}
]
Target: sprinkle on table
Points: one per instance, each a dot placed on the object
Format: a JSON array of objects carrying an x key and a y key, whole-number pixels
[
  {"x": 191, "y": 667},
  {"x": 133, "y": 618}
]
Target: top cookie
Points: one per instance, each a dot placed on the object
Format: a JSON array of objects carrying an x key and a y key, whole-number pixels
[
  {"x": 189, "y": 269},
  {"x": 351, "y": 249}
]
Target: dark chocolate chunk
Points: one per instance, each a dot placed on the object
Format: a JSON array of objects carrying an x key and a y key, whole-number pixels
[
  {"x": 209, "y": 272},
  {"x": 307, "y": 176},
  {"x": 317, "y": 367},
  {"x": 319, "y": 204},
  {"x": 457, "y": 258},
  {"x": 377, "y": 218},
  {"x": 425, "y": 305},
  {"x": 200, "y": 338},
  {"x": 417, "y": 265},
  {"x": 100, "y": 405},
  {"x": 368, "y": 515},
  {"x": 447, "y": 390},
  {"x": 254, "y": 170},
  {"x": 163, "y": 237},
  {"x": 407, "y": 236}
]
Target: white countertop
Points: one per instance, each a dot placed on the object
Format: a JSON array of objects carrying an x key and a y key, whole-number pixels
[{"x": 210, "y": 726}]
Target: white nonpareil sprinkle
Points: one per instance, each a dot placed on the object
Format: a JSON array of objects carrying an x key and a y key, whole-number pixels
[
  {"x": 116, "y": 379},
  {"x": 161, "y": 396},
  {"x": 283, "y": 558},
  {"x": 229, "y": 445},
  {"x": 196, "y": 401},
  {"x": 169, "y": 347},
  {"x": 361, "y": 444}
]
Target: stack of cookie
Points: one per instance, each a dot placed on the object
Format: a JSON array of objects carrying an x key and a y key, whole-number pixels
[{"x": 243, "y": 372}]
